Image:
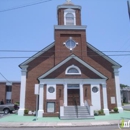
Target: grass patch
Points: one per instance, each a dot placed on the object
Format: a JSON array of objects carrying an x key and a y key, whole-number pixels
[
  {"x": 126, "y": 110},
  {"x": 126, "y": 103}
]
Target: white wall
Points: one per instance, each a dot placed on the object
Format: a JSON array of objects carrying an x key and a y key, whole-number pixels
[
  {"x": 96, "y": 101},
  {"x": 51, "y": 95}
]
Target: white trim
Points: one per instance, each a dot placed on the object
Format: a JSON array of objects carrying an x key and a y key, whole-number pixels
[
  {"x": 117, "y": 87},
  {"x": 105, "y": 101},
  {"x": 81, "y": 95},
  {"x": 70, "y": 27},
  {"x": 23, "y": 90},
  {"x": 36, "y": 55},
  {"x": 74, "y": 81},
  {"x": 103, "y": 55},
  {"x": 69, "y": 7},
  {"x": 73, "y": 66},
  {"x": 41, "y": 100},
  {"x": 71, "y": 11},
  {"x": 78, "y": 59},
  {"x": 65, "y": 95},
  {"x": 9, "y": 83},
  {"x": 95, "y": 97},
  {"x": 70, "y": 39}
]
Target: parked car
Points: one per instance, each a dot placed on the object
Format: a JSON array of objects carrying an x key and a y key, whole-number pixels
[{"x": 7, "y": 108}]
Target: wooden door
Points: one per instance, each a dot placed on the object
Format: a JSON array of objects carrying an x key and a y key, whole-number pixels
[{"x": 73, "y": 97}]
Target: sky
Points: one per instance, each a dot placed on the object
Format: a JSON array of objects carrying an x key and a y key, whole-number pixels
[{"x": 32, "y": 28}]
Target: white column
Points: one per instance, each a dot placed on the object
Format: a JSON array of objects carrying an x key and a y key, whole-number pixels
[
  {"x": 22, "y": 91},
  {"x": 105, "y": 102},
  {"x": 117, "y": 87},
  {"x": 41, "y": 101},
  {"x": 81, "y": 95},
  {"x": 65, "y": 95}
]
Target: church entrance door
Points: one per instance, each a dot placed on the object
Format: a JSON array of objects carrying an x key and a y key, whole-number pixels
[{"x": 73, "y": 97}]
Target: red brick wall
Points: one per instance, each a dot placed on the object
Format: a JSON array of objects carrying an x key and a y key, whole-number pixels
[
  {"x": 41, "y": 65},
  {"x": 101, "y": 96},
  {"x": 87, "y": 91},
  {"x": 61, "y": 51},
  {"x": 36, "y": 68},
  {"x": 105, "y": 67},
  {"x": 59, "y": 96},
  {"x": 3, "y": 91},
  {"x": 15, "y": 92},
  {"x": 60, "y": 72}
]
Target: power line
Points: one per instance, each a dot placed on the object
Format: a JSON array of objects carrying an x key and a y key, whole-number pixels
[
  {"x": 15, "y": 57},
  {"x": 4, "y": 77},
  {"x": 54, "y": 51},
  {"x": 19, "y": 7}
]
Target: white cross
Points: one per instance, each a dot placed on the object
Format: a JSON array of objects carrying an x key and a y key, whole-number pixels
[{"x": 68, "y": 1}]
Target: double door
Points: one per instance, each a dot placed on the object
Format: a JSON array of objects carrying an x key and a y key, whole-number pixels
[{"x": 73, "y": 97}]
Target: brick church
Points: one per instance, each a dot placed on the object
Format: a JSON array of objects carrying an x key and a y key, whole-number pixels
[{"x": 74, "y": 78}]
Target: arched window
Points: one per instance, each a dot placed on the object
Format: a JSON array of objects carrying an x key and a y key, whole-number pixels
[
  {"x": 73, "y": 70},
  {"x": 69, "y": 19}
]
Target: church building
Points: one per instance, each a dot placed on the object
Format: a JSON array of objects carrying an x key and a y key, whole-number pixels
[{"x": 74, "y": 78}]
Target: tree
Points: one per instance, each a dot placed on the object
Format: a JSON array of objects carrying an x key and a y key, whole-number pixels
[{"x": 123, "y": 86}]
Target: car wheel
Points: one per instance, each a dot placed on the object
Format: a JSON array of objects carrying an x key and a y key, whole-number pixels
[{"x": 6, "y": 111}]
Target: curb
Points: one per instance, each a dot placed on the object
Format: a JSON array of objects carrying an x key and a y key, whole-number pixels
[{"x": 57, "y": 126}]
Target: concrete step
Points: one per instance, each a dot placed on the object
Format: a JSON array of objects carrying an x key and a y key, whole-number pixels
[
  {"x": 79, "y": 112},
  {"x": 76, "y": 118},
  {"x": 76, "y": 113}
]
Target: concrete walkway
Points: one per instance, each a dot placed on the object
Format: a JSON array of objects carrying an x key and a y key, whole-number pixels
[{"x": 13, "y": 120}]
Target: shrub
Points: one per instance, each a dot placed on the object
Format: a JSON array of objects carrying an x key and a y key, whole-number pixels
[
  {"x": 96, "y": 113},
  {"x": 101, "y": 112},
  {"x": 17, "y": 103},
  {"x": 115, "y": 109},
  {"x": 26, "y": 111}
]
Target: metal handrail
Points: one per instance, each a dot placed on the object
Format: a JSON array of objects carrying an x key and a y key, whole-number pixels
[{"x": 76, "y": 106}]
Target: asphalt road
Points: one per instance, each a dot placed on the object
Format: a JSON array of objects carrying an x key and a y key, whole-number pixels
[{"x": 68, "y": 128}]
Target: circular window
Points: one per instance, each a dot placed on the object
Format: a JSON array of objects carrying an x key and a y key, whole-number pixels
[
  {"x": 70, "y": 44},
  {"x": 95, "y": 89},
  {"x": 51, "y": 89}
]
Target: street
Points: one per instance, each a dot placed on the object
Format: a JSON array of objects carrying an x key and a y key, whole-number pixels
[{"x": 67, "y": 128}]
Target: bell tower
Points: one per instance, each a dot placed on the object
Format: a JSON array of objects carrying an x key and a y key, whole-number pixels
[{"x": 70, "y": 34}]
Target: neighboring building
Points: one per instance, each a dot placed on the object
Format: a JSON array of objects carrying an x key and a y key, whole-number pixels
[
  {"x": 10, "y": 91},
  {"x": 71, "y": 73},
  {"x": 125, "y": 94}
]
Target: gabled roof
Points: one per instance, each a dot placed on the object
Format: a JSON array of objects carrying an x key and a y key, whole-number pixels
[
  {"x": 79, "y": 60},
  {"x": 103, "y": 55},
  {"x": 36, "y": 55},
  {"x": 52, "y": 44}
]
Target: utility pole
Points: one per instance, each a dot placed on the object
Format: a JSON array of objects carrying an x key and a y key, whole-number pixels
[{"x": 128, "y": 5}]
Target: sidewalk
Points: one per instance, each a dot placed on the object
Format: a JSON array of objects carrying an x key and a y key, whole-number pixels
[{"x": 14, "y": 120}]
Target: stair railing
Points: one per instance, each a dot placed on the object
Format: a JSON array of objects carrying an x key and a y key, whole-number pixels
[
  {"x": 76, "y": 106},
  {"x": 89, "y": 106}
]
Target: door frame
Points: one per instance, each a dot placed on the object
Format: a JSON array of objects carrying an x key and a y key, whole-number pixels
[{"x": 72, "y": 87}]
